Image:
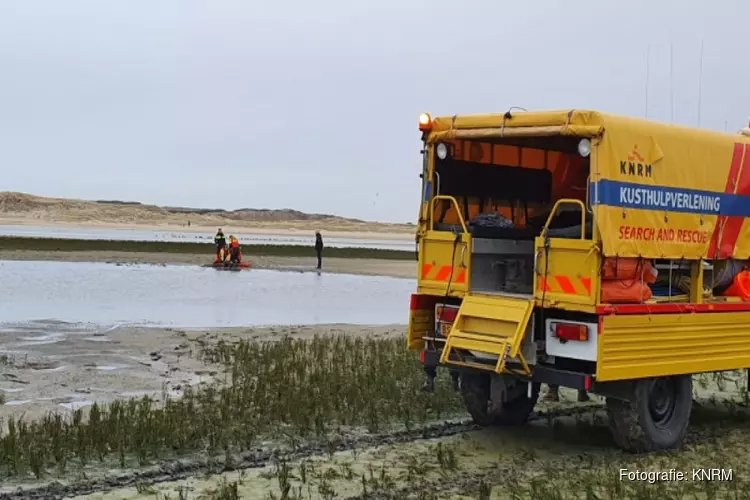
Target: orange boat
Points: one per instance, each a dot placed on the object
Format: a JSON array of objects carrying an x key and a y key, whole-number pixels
[
  {"x": 232, "y": 266},
  {"x": 221, "y": 261}
]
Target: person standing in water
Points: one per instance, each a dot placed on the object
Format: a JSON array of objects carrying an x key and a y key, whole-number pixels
[{"x": 319, "y": 248}]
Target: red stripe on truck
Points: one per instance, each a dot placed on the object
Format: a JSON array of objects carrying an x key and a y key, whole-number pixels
[
  {"x": 733, "y": 225},
  {"x": 721, "y": 220}
]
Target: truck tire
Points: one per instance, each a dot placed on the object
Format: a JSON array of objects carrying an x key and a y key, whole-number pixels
[
  {"x": 518, "y": 410},
  {"x": 475, "y": 389},
  {"x": 656, "y": 418}
]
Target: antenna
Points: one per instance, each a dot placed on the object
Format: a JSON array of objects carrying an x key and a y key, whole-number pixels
[
  {"x": 671, "y": 86},
  {"x": 648, "y": 56},
  {"x": 700, "y": 85}
]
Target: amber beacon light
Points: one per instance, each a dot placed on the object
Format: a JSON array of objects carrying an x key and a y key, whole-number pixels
[{"x": 425, "y": 122}]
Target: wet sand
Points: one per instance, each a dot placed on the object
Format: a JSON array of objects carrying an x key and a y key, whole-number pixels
[
  {"x": 64, "y": 367},
  {"x": 369, "y": 267}
]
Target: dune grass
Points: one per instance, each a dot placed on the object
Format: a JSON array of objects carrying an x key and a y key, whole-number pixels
[
  {"x": 12, "y": 243},
  {"x": 291, "y": 388}
]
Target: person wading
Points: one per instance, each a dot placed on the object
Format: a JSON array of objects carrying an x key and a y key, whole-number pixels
[{"x": 319, "y": 248}]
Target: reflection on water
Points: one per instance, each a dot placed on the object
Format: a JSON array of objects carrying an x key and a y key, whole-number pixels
[
  {"x": 193, "y": 296},
  {"x": 405, "y": 243}
]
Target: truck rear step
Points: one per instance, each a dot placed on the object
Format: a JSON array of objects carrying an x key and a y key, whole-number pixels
[{"x": 489, "y": 326}]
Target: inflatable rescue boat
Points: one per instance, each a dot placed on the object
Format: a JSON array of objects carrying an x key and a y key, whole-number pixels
[{"x": 232, "y": 266}]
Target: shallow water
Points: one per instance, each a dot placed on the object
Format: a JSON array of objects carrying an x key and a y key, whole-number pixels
[
  {"x": 185, "y": 296},
  {"x": 407, "y": 243}
]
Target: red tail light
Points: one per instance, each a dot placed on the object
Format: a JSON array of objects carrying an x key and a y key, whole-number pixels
[
  {"x": 447, "y": 314},
  {"x": 570, "y": 331},
  {"x": 419, "y": 302},
  {"x": 414, "y": 302}
]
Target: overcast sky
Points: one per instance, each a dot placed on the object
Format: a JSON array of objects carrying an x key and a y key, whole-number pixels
[{"x": 313, "y": 105}]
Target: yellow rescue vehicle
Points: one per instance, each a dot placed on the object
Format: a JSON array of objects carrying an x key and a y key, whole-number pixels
[{"x": 586, "y": 250}]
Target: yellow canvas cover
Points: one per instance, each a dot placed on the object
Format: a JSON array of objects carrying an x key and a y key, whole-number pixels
[
  {"x": 658, "y": 190},
  {"x": 663, "y": 191}
]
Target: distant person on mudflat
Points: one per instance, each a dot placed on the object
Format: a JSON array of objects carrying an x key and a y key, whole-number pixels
[{"x": 319, "y": 248}]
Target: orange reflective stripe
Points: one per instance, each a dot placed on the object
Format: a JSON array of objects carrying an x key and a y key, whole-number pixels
[
  {"x": 566, "y": 285},
  {"x": 461, "y": 276},
  {"x": 544, "y": 285},
  {"x": 444, "y": 273},
  {"x": 587, "y": 285},
  {"x": 557, "y": 283}
]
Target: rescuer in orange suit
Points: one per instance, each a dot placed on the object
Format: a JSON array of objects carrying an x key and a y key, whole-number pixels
[{"x": 234, "y": 249}]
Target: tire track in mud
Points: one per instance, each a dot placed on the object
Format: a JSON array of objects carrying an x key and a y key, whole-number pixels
[{"x": 179, "y": 470}]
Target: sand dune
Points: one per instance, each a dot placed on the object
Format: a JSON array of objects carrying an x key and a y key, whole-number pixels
[{"x": 21, "y": 208}]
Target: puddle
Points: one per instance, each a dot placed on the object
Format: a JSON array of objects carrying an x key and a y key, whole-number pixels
[
  {"x": 11, "y": 390},
  {"x": 18, "y": 402},
  {"x": 59, "y": 328},
  {"x": 86, "y": 294},
  {"x": 98, "y": 339},
  {"x": 109, "y": 368},
  {"x": 55, "y": 369},
  {"x": 76, "y": 405},
  {"x": 136, "y": 394},
  {"x": 41, "y": 340}
]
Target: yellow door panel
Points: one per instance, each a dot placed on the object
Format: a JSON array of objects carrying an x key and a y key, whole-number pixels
[
  {"x": 445, "y": 259},
  {"x": 567, "y": 272}
]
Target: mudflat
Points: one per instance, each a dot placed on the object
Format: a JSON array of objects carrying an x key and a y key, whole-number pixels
[{"x": 60, "y": 367}]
